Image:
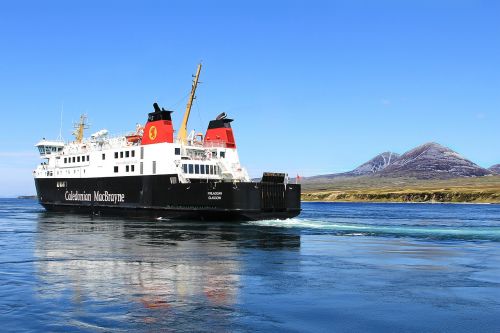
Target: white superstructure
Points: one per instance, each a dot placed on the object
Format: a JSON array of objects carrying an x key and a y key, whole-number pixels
[{"x": 103, "y": 156}]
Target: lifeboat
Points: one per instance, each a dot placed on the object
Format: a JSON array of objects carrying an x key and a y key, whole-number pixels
[{"x": 134, "y": 138}]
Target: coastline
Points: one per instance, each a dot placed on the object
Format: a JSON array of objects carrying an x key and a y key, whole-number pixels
[
  {"x": 405, "y": 202},
  {"x": 484, "y": 190},
  {"x": 404, "y": 196}
]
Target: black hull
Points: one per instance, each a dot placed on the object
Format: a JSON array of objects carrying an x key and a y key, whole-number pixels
[{"x": 162, "y": 196}]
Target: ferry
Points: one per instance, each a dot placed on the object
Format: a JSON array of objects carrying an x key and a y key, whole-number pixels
[{"x": 150, "y": 172}]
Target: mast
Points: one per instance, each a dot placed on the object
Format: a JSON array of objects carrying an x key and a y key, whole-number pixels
[
  {"x": 79, "y": 128},
  {"x": 181, "y": 136}
]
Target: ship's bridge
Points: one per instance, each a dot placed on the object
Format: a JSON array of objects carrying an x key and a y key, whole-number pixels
[{"x": 47, "y": 147}]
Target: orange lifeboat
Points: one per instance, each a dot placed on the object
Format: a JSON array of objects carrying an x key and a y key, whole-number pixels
[{"x": 133, "y": 138}]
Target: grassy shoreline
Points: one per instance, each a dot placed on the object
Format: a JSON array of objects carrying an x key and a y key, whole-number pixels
[{"x": 461, "y": 190}]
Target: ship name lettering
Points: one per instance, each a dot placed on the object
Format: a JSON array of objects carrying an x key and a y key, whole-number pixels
[
  {"x": 76, "y": 196},
  {"x": 214, "y": 195},
  {"x": 109, "y": 197}
]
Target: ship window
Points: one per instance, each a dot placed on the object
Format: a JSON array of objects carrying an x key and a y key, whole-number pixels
[
  {"x": 126, "y": 168},
  {"x": 88, "y": 158},
  {"x": 116, "y": 169},
  {"x": 103, "y": 156},
  {"x": 116, "y": 154},
  {"x": 65, "y": 160},
  {"x": 222, "y": 154},
  {"x": 154, "y": 167},
  {"x": 132, "y": 167},
  {"x": 74, "y": 159},
  {"x": 127, "y": 154},
  {"x": 211, "y": 169},
  {"x": 133, "y": 153},
  {"x": 202, "y": 171},
  {"x": 177, "y": 151},
  {"x": 121, "y": 154},
  {"x": 190, "y": 168},
  {"x": 185, "y": 168},
  {"x": 196, "y": 169},
  {"x": 141, "y": 168},
  {"x": 78, "y": 159},
  {"x": 142, "y": 153}
]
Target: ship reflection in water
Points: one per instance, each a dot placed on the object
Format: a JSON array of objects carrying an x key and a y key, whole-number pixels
[
  {"x": 147, "y": 272},
  {"x": 345, "y": 267}
]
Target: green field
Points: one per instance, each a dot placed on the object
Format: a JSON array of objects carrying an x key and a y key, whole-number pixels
[{"x": 379, "y": 189}]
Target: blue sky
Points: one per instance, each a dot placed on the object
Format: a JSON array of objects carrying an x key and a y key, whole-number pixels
[{"x": 314, "y": 86}]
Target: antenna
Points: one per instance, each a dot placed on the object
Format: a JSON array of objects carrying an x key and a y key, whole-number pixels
[{"x": 60, "y": 138}]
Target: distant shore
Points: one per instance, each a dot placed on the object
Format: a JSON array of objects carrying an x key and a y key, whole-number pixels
[
  {"x": 26, "y": 197},
  {"x": 404, "y": 196},
  {"x": 462, "y": 190}
]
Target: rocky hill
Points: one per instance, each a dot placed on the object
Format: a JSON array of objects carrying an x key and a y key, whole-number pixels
[
  {"x": 495, "y": 169},
  {"x": 433, "y": 161},
  {"x": 428, "y": 161},
  {"x": 376, "y": 164}
]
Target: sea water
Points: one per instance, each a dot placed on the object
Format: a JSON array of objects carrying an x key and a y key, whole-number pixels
[{"x": 338, "y": 267}]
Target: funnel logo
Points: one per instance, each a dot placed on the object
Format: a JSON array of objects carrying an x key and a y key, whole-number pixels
[{"x": 153, "y": 132}]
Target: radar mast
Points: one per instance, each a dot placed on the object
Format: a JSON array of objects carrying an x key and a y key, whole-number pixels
[{"x": 80, "y": 127}]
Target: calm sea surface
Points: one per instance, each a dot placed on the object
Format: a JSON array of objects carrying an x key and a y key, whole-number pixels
[{"x": 338, "y": 267}]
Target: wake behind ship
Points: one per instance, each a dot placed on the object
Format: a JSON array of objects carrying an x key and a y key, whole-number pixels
[{"x": 149, "y": 173}]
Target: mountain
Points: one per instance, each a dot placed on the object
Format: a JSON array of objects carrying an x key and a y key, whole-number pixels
[
  {"x": 495, "y": 169},
  {"x": 376, "y": 164},
  {"x": 428, "y": 161},
  {"x": 432, "y": 161}
]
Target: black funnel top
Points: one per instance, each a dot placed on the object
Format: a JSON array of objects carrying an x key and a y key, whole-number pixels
[{"x": 159, "y": 114}]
